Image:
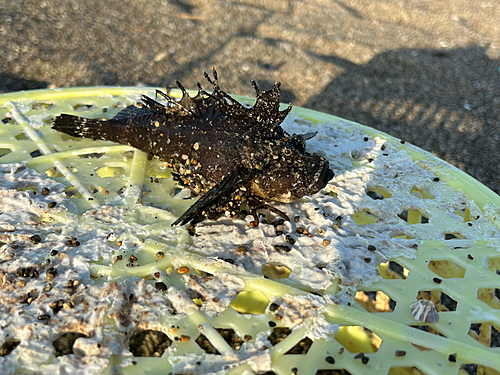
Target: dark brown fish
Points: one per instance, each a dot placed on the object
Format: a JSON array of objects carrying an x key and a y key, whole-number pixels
[{"x": 231, "y": 155}]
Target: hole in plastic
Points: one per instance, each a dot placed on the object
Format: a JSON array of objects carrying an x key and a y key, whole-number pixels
[
  {"x": 490, "y": 296},
  {"x": 477, "y": 369},
  {"x": 393, "y": 270},
  {"x": 30, "y": 188},
  {"x": 333, "y": 372},
  {"x": 196, "y": 297},
  {"x": 42, "y": 106},
  {"x": 8, "y": 347},
  {"x": 408, "y": 370},
  {"x": 413, "y": 217},
  {"x": 113, "y": 172},
  {"x": 302, "y": 347},
  {"x": 375, "y": 301},
  {"x": 486, "y": 333},
  {"x": 148, "y": 343},
  {"x": 441, "y": 300},
  {"x": 401, "y": 234},
  {"x": 64, "y": 344},
  {"x": 4, "y": 151},
  {"x": 421, "y": 193},
  {"x": 494, "y": 264},
  {"x": 53, "y": 172},
  {"x": 93, "y": 155},
  {"x": 71, "y": 192},
  {"x": 230, "y": 336},
  {"x": 453, "y": 236},
  {"x": 358, "y": 339},
  {"x": 465, "y": 214},
  {"x": 35, "y": 153},
  {"x": 21, "y": 136},
  {"x": 128, "y": 155},
  {"x": 364, "y": 218},
  {"x": 378, "y": 194},
  {"x": 446, "y": 269},
  {"x": 206, "y": 345},
  {"x": 278, "y": 334},
  {"x": 446, "y": 303},
  {"x": 82, "y": 107},
  {"x": 250, "y": 302},
  {"x": 275, "y": 272}
]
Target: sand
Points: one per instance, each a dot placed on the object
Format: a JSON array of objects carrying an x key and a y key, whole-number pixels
[{"x": 422, "y": 70}]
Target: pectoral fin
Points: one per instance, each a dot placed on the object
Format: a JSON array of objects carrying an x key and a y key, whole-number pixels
[{"x": 226, "y": 187}]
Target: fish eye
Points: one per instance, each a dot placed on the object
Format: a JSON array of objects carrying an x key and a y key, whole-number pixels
[{"x": 287, "y": 151}]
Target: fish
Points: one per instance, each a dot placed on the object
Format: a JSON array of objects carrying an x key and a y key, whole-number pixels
[{"x": 236, "y": 158}]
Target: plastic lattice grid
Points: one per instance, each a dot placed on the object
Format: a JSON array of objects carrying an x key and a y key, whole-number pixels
[{"x": 233, "y": 299}]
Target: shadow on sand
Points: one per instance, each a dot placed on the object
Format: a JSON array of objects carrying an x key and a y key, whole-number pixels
[
  {"x": 12, "y": 82},
  {"x": 446, "y": 102}
]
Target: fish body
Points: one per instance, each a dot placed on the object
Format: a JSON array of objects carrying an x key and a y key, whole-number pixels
[{"x": 229, "y": 154}]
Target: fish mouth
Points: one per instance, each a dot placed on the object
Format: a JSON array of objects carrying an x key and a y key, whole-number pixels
[
  {"x": 322, "y": 174},
  {"x": 326, "y": 175}
]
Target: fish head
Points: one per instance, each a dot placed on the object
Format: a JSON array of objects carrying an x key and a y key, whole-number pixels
[{"x": 292, "y": 176}]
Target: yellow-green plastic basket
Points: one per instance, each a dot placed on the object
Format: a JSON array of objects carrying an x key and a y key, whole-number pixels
[{"x": 377, "y": 333}]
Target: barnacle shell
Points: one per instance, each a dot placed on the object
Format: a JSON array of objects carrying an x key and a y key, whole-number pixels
[{"x": 424, "y": 311}]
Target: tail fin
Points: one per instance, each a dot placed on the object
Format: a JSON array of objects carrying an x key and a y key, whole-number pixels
[{"x": 80, "y": 126}]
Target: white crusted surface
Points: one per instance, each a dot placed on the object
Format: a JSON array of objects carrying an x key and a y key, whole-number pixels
[
  {"x": 111, "y": 307},
  {"x": 296, "y": 311}
]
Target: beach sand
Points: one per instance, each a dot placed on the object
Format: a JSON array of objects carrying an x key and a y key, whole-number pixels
[{"x": 421, "y": 70}]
